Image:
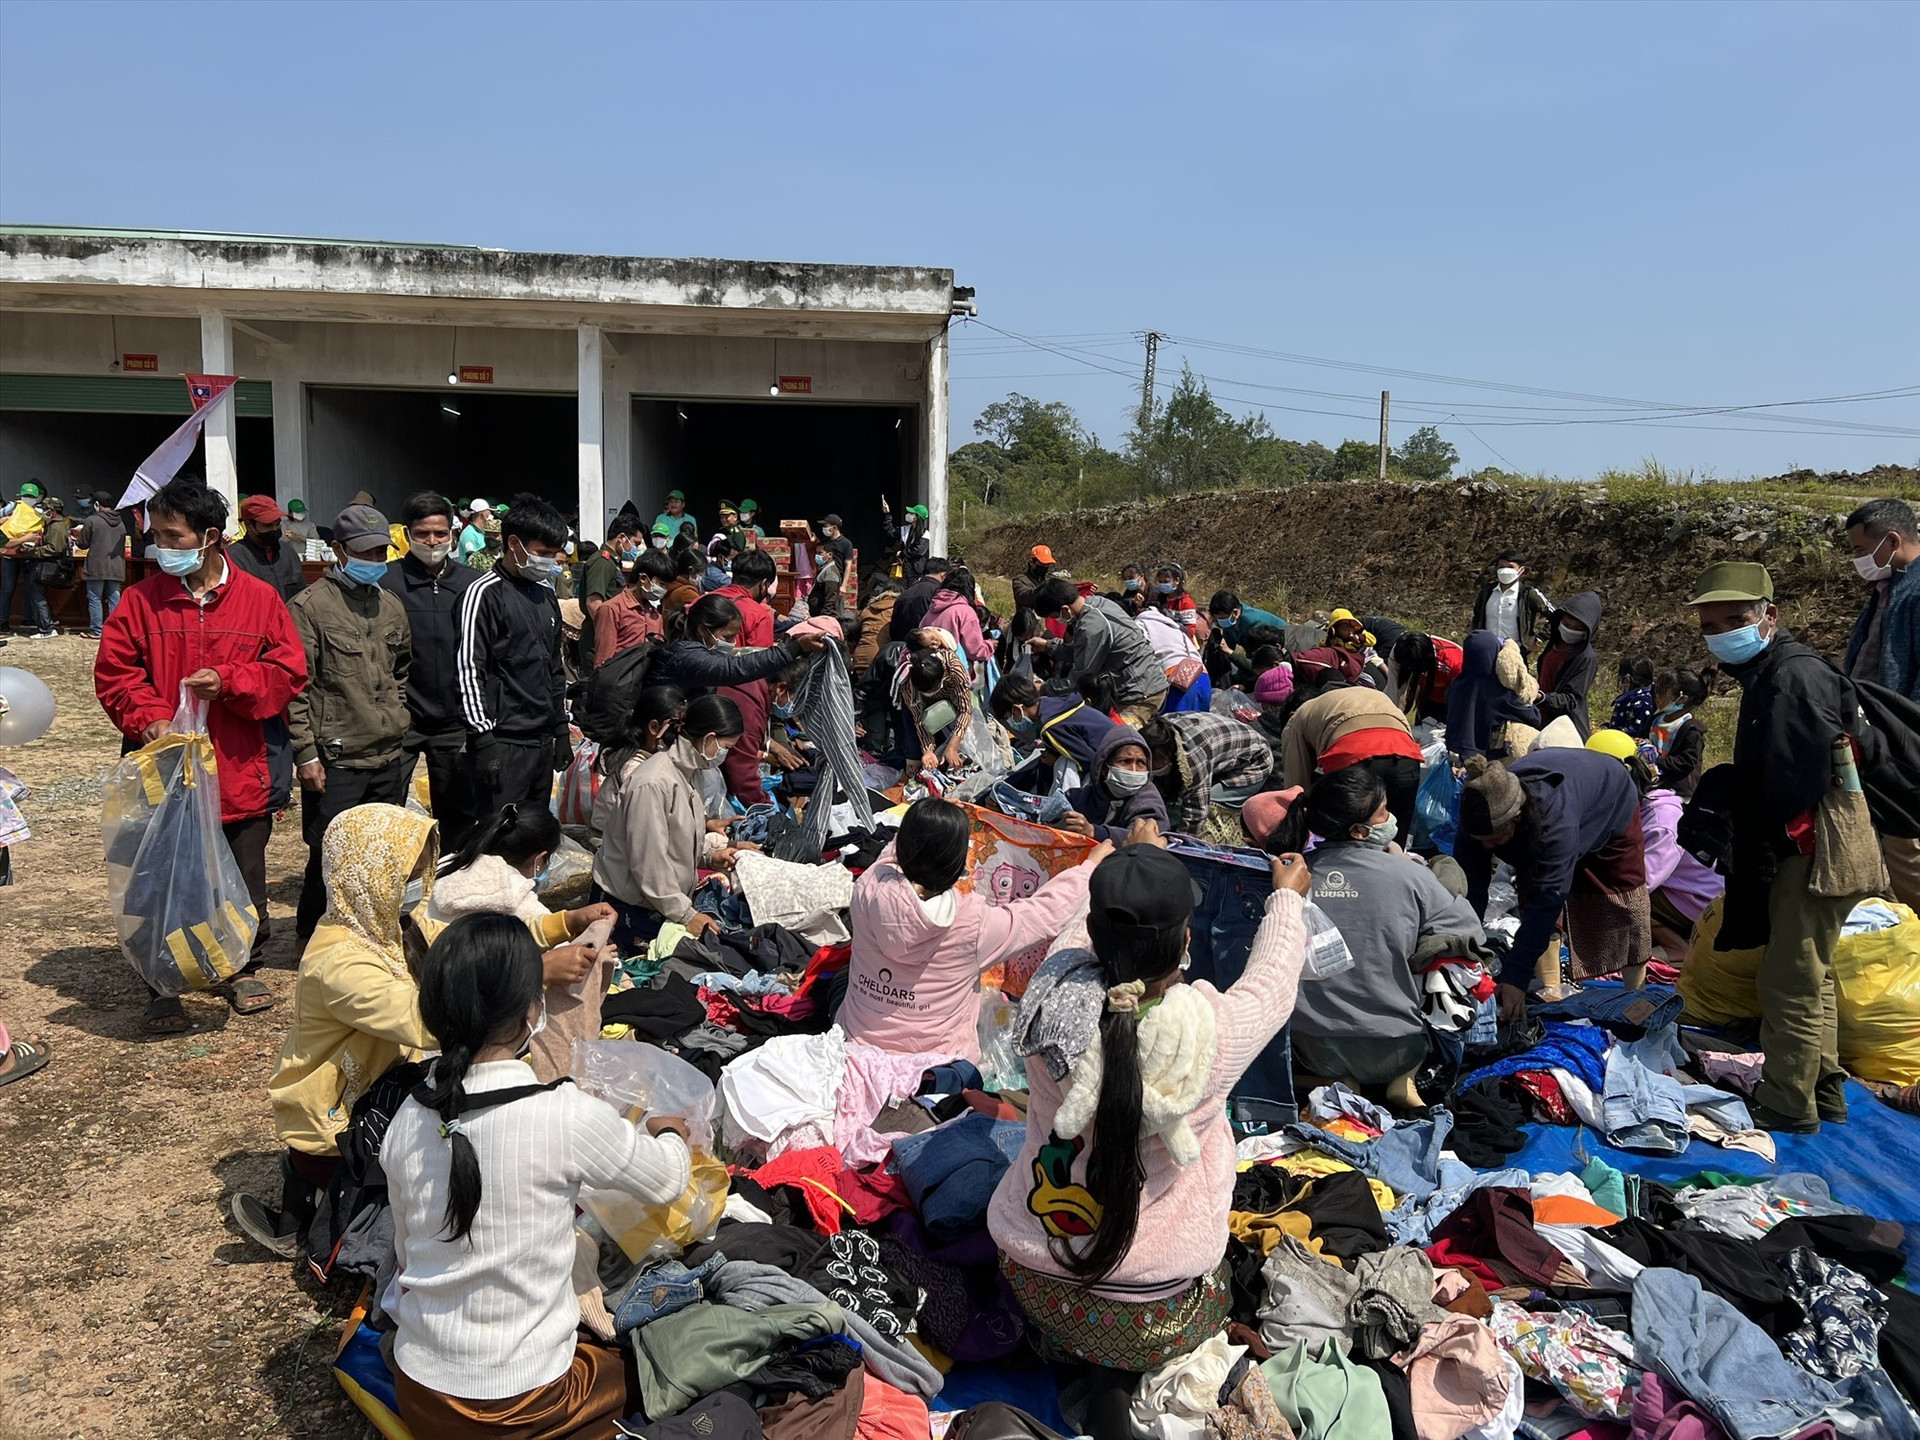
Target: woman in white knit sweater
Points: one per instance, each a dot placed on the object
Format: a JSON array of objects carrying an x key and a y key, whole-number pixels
[{"x": 484, "y": 1167}]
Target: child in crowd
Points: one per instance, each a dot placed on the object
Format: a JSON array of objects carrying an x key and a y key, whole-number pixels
[
  {"x": 1633, "y": 707},
  {"x": 497, "y": 871},
  {"x": 1676, "y": 741}
]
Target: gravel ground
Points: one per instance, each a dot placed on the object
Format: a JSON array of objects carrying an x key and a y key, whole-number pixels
[{"x": 135, "y": 1308}]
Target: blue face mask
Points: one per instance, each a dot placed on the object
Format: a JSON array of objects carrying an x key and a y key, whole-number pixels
[
  {"x": 1736, "y": 647},
  {"x": 1167, "y": 587},
  {"x": 783, "y": 712},
  {"x": 363, "y": 572},
  {"x": 178, "y": 562},
  {"x": 1020, "y": 725},
  {"x": 1133, "y": 587}
]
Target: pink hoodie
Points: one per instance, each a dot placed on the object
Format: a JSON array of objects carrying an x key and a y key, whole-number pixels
[
  {"x": 914, "y": 984},
  {"x": 951, "y": 612}
]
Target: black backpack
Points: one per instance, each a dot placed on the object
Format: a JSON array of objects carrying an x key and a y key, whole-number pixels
[
  {"x": 607, "y": 697},
  {"x": 353, "y": 1227}
]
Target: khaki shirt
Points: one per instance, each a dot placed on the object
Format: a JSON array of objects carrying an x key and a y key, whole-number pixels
[{"x": 359, "y": 647}]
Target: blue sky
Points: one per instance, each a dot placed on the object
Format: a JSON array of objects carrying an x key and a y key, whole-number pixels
[{"x": 1688, "y": 205}]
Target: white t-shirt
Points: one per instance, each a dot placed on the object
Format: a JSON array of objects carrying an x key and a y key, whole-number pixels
[{"x": 1503, "y": 612}]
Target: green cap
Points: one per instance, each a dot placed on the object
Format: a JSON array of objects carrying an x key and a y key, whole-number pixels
[
  {"x": 749, "y": 507},
  {"x": 499, "y": 510},
  {"x": 919, "y": 510},
  {"x": 296, "y": 507},
  {"x": 679, "y": 495},
  {"x": 1745, "y": 580},
  {"x": 31, "y": 491},
  {"x": 661, "y": 527}
]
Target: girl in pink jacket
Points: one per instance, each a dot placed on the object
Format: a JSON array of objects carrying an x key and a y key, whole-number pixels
[
  {"x": 920, "y": 946},
  {"x": 951, "y": 610}
]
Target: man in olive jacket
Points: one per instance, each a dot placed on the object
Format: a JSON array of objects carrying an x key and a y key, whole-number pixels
[{"x": 350, "y": 723}]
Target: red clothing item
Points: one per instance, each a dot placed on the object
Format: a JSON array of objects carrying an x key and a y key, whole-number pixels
[
  {"x": 1448, "y": 658},
  {"x": 622, "y": 623},
  {"x": 756, "y": 619},
  {"x": 834, "y": 1194},
  {"x": 1358, "y": 745},
  {"x": 159, "y": 634},
  {"x": 742, "y": 765}
]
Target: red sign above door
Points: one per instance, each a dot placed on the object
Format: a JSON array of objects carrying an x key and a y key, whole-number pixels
[
  {"x": 796, "y": 384},
  {"x": 140, "y": 364},
  {"x": 476, "y": 374}
]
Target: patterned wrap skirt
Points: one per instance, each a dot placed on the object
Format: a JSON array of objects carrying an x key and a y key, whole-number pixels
[{"x": 1074, "y": 1323}]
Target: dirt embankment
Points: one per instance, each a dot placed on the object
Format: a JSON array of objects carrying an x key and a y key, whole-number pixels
[{"x": 1419, "y": 552}]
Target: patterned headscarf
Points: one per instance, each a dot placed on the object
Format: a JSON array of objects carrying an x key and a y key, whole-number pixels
[{"x": 366, "y": 858}]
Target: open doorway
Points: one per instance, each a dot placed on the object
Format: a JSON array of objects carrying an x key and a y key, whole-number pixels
[
  {"x": 799, "y": 459},
  {"x": 459, "y": 441}
]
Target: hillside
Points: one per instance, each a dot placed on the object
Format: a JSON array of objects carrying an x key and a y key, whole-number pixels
[{"x": 1418, "y": 551}]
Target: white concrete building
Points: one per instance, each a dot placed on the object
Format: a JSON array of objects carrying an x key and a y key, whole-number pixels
[{"x": 593, "y": 380}]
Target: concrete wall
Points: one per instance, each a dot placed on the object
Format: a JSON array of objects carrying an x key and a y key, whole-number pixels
[{"x": 318, "y": 456}]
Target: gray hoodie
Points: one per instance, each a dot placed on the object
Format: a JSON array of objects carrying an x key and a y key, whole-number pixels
[{"x": 1105, "y": 640}]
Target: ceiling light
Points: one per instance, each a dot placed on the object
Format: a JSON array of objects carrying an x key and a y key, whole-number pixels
[
  {"x": 452, "y": 378},
  {"x": 773, "y": 390}
]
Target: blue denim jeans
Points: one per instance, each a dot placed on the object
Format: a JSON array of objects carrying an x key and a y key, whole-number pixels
[
  {"x": 97, "y": 611},
  {"x": 657, "y": 1293},
  {"x": 1224, "y": 922},
  {"x": 39, "y": 613}
]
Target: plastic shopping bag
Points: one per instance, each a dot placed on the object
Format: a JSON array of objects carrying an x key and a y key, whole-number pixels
[
  {"x": 179, "y": 902},
  {"x": 1436, "y": 807},
  {"x": 642, "y": 1082},
  {"x": 1877, "y": 979},
  {"x": 579, "y": 784}
]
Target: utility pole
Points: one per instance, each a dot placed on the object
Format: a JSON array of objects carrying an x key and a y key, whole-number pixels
[
  {"x": 1385, "y": 398},
  {"x": 1153, "y": 339}
]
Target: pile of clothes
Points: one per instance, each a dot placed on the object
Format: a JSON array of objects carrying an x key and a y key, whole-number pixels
[{"x": 1391, "y": 1278}]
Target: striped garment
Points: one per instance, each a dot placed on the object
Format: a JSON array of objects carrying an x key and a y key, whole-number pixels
[
  {"x": 823, "y": 704},
  {"x": 508, "y": 668}
]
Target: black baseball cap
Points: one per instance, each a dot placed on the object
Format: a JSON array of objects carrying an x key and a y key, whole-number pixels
[
  {"x": 829, "y": 519},
  {"x": 1142, "y": 887}
]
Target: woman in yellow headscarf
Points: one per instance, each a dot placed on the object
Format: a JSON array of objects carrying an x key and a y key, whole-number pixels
[{"x": 356, "y": 1006}]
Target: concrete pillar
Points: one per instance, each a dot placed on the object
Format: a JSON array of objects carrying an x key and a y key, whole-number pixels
[
  {"x": 216, "y": 358},
  {"x": 290, "y": 441},
  {"x": 593, "y": 481},
  {"x": 616, "y": 410},
  {"x": 934, "y": 464}
]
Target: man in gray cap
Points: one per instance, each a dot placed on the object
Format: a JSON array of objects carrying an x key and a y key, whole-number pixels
[
  {"x": 1794, "y": 706},
  {"x": 350, "y": 724}
]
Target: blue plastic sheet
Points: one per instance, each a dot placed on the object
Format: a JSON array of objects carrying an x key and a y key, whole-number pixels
[
  {"x": 1030, "y": 1387},
  {"x": 1868, "y": 1162},
  {"x": 1436, "y": 808}
]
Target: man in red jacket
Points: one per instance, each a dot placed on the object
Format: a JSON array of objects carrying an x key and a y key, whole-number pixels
[{"x": 207, "y": 626}]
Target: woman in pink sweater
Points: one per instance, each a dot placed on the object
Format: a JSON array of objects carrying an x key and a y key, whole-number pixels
[
  {"x": 920, "y": 946},
  {"x": 1112, "y": 1224},
  {"x": 951, "y": 610}
]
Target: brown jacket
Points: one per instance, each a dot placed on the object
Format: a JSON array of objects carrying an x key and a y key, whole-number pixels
[
  {"x": 876, "y": 618},
  {"x": 1325, "y": 718},
  {"x": 359, "y": 648}
]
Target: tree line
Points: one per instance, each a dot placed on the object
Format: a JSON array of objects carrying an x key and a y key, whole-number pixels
[{"x": 1035, "y": 455}]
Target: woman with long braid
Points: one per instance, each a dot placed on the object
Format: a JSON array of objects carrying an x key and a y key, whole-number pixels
[{"x": 484, "y": 1167}]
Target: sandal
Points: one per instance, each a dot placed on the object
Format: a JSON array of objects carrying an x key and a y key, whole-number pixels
[
  {"x": 248, "y": 996},
  {"x": 165, "y": 1017},
  {"x": 26, "y": 1056}
]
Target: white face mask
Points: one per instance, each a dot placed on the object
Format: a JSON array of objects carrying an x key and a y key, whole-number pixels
[
  {"x": 710, "y": 762},
  {"x": 1871, "y": 569},
  {"x": 1571, "y": 635},
  {"x": 1126, "y": 782},
  {"x": 1506, "y": 575},
  {"x": 432, "y": 554},
  {"x": 539, "y": 1024},
  {"x": 1384, "y": 833},
  {"x": 656, "y": 593}
]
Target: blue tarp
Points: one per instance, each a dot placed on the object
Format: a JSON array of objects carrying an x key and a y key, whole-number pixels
[{"x": 1872, "y": 1162}]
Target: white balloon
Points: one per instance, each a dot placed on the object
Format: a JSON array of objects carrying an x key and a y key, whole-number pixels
[{"x": 29, "y": 707}]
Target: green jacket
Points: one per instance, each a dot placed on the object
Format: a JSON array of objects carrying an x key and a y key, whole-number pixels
[{"x": 359, "y": 647}]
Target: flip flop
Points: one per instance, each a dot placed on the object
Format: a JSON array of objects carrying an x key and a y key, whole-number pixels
[
  {"x": 27, "y": 1056},
  {"x": 248, "y": 996},
  {"x": 165, "y": 1017}
]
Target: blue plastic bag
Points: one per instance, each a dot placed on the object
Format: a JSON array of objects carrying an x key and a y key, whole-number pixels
[{"x": 1436, "y": 808}]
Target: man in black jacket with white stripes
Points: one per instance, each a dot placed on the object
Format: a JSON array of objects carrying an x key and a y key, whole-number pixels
[{"x": 512, "y": 688}]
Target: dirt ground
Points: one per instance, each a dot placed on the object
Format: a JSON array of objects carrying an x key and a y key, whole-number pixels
[{"x": 134, "y": 1307}]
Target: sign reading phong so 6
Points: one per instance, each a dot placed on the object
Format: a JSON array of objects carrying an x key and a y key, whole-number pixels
[{"x": 796, "y": 384}]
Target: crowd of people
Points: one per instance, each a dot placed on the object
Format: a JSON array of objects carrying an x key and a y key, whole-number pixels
[{"x": 1091, "y": 987}]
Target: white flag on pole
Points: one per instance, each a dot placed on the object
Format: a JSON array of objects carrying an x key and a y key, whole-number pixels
[{"x": 165, "y": 462}]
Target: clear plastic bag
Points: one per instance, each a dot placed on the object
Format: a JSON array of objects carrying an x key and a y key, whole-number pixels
[
  {"x": 180, "y": 905},
  {"x": 987, "y": 745},
  {"x": 644, "y": 1082},
  {"x": 579, "y": 786},
  {"x": 1000, "y": 1068},
  {"x": 569, "y": 874}
]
